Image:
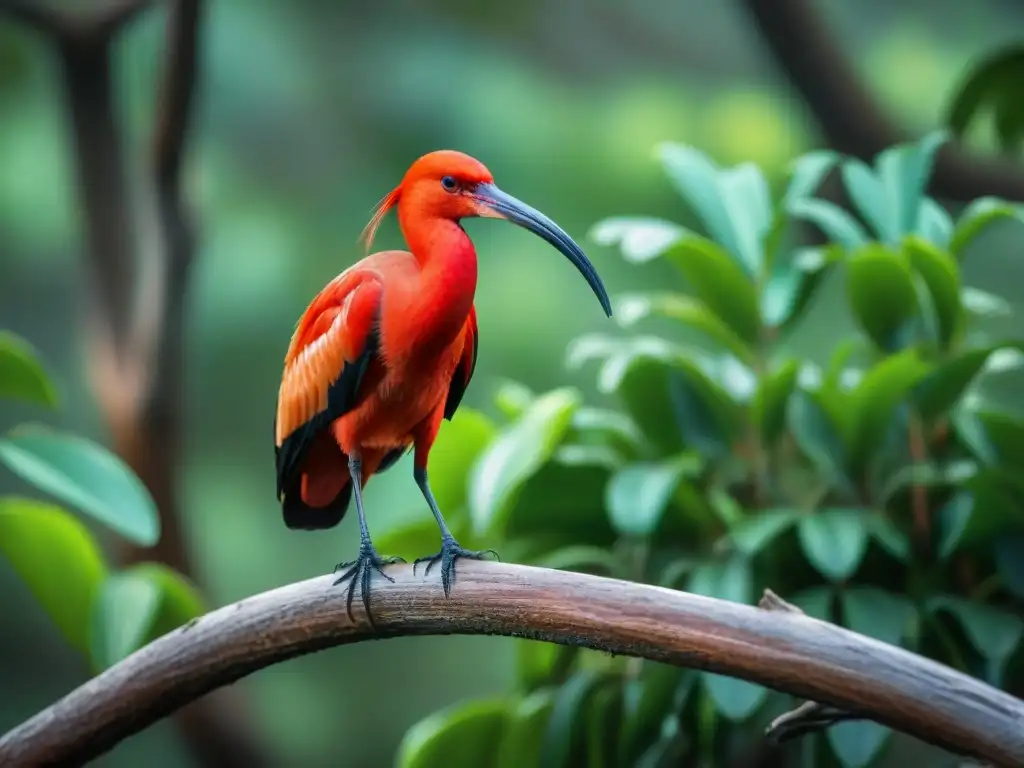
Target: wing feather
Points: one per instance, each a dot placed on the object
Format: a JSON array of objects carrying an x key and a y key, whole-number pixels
[
  {"x": 331, "y": 350},
  {"x": 464, "y": 370}
]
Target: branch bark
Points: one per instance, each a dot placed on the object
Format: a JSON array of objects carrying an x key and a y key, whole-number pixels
[
  {"x": 777, "y": 648},
  {"x": 849, "y": 116}
]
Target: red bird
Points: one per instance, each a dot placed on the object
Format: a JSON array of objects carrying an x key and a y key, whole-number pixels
[{"x": 385, "y": 352}]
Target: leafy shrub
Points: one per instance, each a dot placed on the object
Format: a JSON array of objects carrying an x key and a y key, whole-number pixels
[
  {"x": 103, "y": 612},
  {"x": 879, "y": 490}
]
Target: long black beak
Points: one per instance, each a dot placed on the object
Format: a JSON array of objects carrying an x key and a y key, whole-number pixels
[{"x": 529, "y": 218}]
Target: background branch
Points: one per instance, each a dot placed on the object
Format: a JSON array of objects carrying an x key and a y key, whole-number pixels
[
  {"x": 780, "y": 649},
  {"x": 138, "y": 286},
  {"x": 849, "y": 116}
]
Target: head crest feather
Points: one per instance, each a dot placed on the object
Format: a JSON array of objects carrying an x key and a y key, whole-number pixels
[{"x": 389, "y": 201}]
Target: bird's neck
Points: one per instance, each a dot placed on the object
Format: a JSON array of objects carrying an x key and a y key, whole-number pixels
[{"x": 447, "y": 281}]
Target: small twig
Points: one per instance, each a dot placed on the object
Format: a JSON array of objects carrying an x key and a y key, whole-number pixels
[
  {"x": 780, "y": 649},
  {"x": 810, "y": 716}
]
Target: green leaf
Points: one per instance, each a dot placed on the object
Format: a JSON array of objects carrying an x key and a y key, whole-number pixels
[
  {"x": 647, "y": 702},
  {"x": 807, "y": 172},
  {"x": 516, "y": 454},
  {"x": 995, "y": 82},
  {"x": 719, "y": 283},
  {"x": 759, "y": 528},
  {"x": 880, "y": 288},
  {"x": 792, "y": 284},
  {"x": 85, "y": 475},
  {"x": 1009, "y": 557},
  {"x": 837, "y": 225},
  {"x": 941, "y": 390},
  {"x": 637, "y": 306},
  {"x": 993, "y": 632},
  {"x": 637, "y": 495},
  {"x": 561, "y": 504},
  {"x": 888, "y": 536},
  {"x": 602, "y": 727},
  {"x": 644, "y": 373},
  {"x": 700, "y": 423},
  {"x": 869, "y": 196},
  {"x": 459, "y": 444},
  {"x": 874, "y": 401},
  {"x": 904, "y": 170},
  {"x": 122, "y": 615},
  {"x": 953, "y": 519},
  {"x": 463, "y": 734},
  {"x": 137, "y": 605},
  {"x": 735, "y": 699},
  {"x": 877, "y": 613},
  {"x": 857, "y": 743},
  {"x": 768, "y": 408},
  {"x": 603, "y": 426},
  {"x": 22, "y": 375},
  {"x": 180, "y": 601},
  {"x": 57, "y": 559},
  {"x": 727, "y": 579},
  {"x": 721, "y": 199},
  {"x": 564, "y": 740},
  {"x": 984, "y": 304},
  {"x": 540, "y": 663},
  {"x": 834, "y": 541},
  {"x": 977, "y": 217},
  {"x": 941, "y": 274},
  {"x": 748, "y": 208},
  {"x": 934, "y": 223},
  {"x": 521, "y": 743},
  {"x": 817, "y": 434},
  {"x": 511, "y": 398},
  {"x": 640, "y": 239}
]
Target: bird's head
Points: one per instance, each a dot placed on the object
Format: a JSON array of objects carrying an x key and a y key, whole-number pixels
[{"x": 451, "y": 185}]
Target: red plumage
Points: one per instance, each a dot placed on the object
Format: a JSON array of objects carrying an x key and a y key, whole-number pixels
[{"x": 386, "y": 351}]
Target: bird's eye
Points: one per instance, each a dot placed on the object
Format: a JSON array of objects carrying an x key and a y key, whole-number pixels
[{"x": 449, "y": 183}]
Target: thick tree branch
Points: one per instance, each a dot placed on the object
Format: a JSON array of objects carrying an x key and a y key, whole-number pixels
[
  {"x": 849, "y": 116},
  {"x": 780, "y": 649}
]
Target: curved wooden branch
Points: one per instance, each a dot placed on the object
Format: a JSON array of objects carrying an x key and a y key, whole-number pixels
[{"x": 780, "y": 649}]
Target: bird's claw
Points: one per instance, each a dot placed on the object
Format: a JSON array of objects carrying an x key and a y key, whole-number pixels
[
  {"x": 449, "y": 553},
  {"x": 361, "y": 569}
]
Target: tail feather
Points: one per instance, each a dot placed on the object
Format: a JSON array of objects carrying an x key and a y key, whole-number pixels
[
  {"x": 298, "y": 515},
  {"x": 320, "y": 495}
]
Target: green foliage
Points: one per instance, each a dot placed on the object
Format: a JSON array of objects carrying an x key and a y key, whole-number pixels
[
  {"x": 993, "y": 84},
  {"x": 873, "y": 489},
  {"x": 83, "y": 474},
  {"x": 57, "y": 558},
  {"x": 104, "y": 614}
]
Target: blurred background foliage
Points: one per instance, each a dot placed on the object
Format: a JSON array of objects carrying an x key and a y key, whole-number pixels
[{"x": 307, "y": 114}]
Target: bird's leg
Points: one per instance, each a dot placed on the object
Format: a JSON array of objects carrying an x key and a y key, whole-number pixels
[
  {"x": 450, "y": 548},
  {"x": 361, "y": 569}
]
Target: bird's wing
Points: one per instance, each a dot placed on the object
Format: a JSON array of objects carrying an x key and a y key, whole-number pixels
[
  {"x": 330, "y": 352},
  {"x": 465, "y": 368}
]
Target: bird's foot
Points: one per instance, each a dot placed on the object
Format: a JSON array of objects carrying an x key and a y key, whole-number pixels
[
  {"x": 361, "y": 570},
  {"x": 450, "y": 552}
]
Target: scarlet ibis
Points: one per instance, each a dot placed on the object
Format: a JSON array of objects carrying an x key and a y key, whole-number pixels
[{"x": 385, "y": 352}]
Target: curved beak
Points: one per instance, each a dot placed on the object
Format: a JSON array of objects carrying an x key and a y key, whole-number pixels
[{"x": 503, "y": 206}]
